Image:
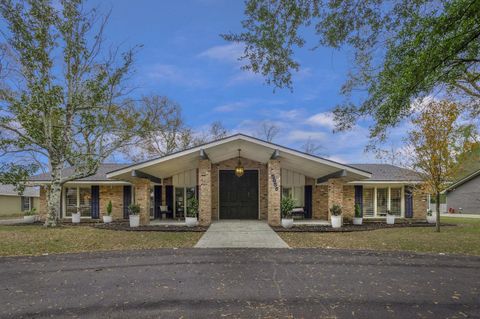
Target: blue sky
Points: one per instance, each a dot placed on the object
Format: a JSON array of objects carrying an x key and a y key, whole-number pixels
[{"x": 184, "y": 57}]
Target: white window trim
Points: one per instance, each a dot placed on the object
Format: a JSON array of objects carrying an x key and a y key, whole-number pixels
[
  {"x": 402, "y": 201},
  {"x": 64, "y": 205},
  {"x": 29, "y": 203}
]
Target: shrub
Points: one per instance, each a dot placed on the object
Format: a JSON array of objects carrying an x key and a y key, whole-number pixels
[
  {"x": 192, "y": 207},
  {"x": 134, "y": 209},
  {"x": 336, "y": 210},
  {"x": 30, "y": 212},
  {"x": 358, "y": 211},
  {"x": 287, "y": 204},
  {"x": 109, "y": 208}
]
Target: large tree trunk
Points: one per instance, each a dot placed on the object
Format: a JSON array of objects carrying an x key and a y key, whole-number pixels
[
  {"x": 437, "y": 203},
  {"x": 54, "y": 194}
]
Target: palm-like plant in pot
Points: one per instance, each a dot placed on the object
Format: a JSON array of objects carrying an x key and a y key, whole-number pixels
[
  {"x": 107, "y": 217},
  {"x": 336, "y": 216},
  {"x": 390, "y": 218},
  {"x": 358, "y": 219},
  {"x": 134, "y": 217},
  {"x": 192, "y": 210},
  {"x": 287, "y": 204},
  {"x": 30, "y": 216}
]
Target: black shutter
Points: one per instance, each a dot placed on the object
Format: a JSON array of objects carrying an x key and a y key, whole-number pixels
[
  {"x": 359, "y": 197},
  {"x": 169, "y": 197},
  {"x": 308, "y": 201},
  {"x": 157, "y": 199},
  {"x": 95, "y": 203},
  {"x": 127, "y": 199},
  {"x": 408, "y": 202}
]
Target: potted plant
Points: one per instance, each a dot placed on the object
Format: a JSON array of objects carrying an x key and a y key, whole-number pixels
[
  {"x": 390, "y": 218},
  {"x": 76, "y": 217},
  {"x": 192, "y": 210},
  {"x": 358, "y": 219},
  {"x": 336, "y": 218},
  {"x": 30, "y": 216},
  {"x": 287, "y": 204},
  {"x": 107, "y": 217},
  {"x": 431, "y": 217},
  {"x": 134, "y": 217}
]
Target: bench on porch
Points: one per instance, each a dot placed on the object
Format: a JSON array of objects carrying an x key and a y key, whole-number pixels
[{"x": 298, "y": 213}]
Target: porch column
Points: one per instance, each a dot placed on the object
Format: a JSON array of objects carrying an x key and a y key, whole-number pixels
[
  {"x": 142, "y": 198},
  {"x": 205, "y": 192},
  {"x": 274, "y": 183},
  {"x": 335, "y": 194}
]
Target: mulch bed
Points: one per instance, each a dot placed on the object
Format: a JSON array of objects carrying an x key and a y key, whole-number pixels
[
  {"x": 347, "y": 228},
  {"x": 163, "y": 228}
]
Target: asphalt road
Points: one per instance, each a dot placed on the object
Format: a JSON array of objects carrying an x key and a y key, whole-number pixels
[{"x": 246, "y": 283}]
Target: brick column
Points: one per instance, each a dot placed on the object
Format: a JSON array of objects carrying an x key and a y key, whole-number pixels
[
  {"x": 112, "y": 193},
  {"x": 142, "y": 198},
  {"x": 205, "y": 190},
  {"x": 420, "y": 204},
  {"x": 274, "y": 183},
  {"x": 335, "y": 194}
]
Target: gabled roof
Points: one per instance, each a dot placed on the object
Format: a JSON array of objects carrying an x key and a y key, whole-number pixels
[
  {"x": 9, "y": 190},
  {"x": 227, "y": 148},
  {"x": 387, "y": 172},
  {"x": 100, "y": 176},
  {"x": 462, "y": 181}
]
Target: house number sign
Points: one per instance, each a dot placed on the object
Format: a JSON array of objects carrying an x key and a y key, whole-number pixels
[{"x": 274, "y": 182}]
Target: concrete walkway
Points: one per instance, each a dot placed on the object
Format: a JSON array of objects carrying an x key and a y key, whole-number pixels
[{"x": 240, "y": 234}]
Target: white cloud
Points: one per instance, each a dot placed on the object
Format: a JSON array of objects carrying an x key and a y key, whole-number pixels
[
  {"x": 229, "y": 53},
  {"x": 302, "y": 136},
  {"x": 172, "y": 74},
  {"x": 231, "y": 107},
  {"x": 324, "y": 119}
]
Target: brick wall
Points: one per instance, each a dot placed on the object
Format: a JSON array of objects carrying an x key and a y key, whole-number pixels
[
  {"x": 205, "y": 186},
  {"x": 274, "y": 169},
  {"x": 335, "y": 193},
  {"x": 320, "y": 202},
  {"x": 420, "y": 204},
  {"x": 142, "y": 198},
  {"x": 230, "y": 164},
  {"x": 348, "y": 206},
  {"x": 112, "y": 193}
]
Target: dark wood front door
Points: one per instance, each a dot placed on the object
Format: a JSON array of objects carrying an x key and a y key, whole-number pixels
[{"x": 238, "y": 195}]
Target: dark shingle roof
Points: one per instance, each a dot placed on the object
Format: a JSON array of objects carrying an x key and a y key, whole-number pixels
[
  {"x": 9, "y": 190},
  {"x": 101, "y": 174},
  {"x": 387, "y": 172}
]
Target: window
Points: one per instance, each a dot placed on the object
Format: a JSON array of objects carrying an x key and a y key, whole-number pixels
[
  {"x": 182, "y": 195},
  {"x": 396, "y": 201},
  {"x": 382, "y": 199},
  {"x": 297, "y": 193},
  {"x": 78, "y": 199},
  {"x": 26, "y": 203},
  {"x": 368, "y": 202}
]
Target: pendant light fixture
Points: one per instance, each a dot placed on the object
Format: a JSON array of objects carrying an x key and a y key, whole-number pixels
[{"x": 239, "y": 170}]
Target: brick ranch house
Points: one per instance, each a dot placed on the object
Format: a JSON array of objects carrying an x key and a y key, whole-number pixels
[{"x": 163, "y": 185}]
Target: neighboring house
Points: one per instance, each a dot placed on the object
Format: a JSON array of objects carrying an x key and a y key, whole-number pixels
[
  {"x": 162, "y": 186},
  {"x": 464, "y": 195},
  {"x": 12, "y": 204}
]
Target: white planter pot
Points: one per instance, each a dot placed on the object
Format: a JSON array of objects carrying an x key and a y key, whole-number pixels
[
  {"x": 107, "y": 219},
  {"x": 134, "y": 220},
  {"x": 29, "y": 219},
  {"x": 336, "y": 221},
  {"x": 390, "y": 219},
  {"x": 76, "y": 218},
  {"x": 287, "y": 222},
  {"x": 191, "y": 221},
  {"x": 357, "y": 220},
  {"x": 432, "y": 219}
]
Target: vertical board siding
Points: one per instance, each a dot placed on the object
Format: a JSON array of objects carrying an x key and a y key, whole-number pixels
[
  {"x": 359, "y": 197},
  {"x": 308, "y": 201},
  {"x": 408, "y": 202},
  {"x": 127, "y": 199},
  {"x": 95, "y": 205}
]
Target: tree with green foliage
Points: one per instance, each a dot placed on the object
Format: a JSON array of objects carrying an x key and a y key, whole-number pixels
[
  {"x": 62, "y": 95},
  {"x": 403, "y": 50}
]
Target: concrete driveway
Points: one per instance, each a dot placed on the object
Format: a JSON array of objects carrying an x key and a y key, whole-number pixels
[
  {"x": 240, "y": 234},
  {"x": 240, "y": 283}
]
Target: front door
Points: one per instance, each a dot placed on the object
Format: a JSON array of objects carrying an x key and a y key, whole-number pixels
[{"x": 238, "y": 195}]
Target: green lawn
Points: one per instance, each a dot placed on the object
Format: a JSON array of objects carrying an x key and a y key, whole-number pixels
[
  {"x": 37, "y": 240},
  {"x": 461, "y": 239}
]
